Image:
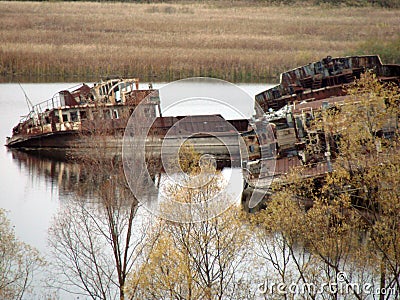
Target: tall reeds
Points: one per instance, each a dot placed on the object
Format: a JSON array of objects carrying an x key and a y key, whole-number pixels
[{"x": 162, "y": 42}]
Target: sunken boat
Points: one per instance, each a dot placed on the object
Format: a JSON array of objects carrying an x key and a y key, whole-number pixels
[
  {"x": 324, "y": 79},
  {"x": 291, "y": 107},
  {"x": 62, "y": 121},
  {"x": 77, "y": 120},
  {"x": 304, "y": 92}
]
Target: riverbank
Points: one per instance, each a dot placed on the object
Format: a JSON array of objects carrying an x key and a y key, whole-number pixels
[{"x": 69, "y": 41}]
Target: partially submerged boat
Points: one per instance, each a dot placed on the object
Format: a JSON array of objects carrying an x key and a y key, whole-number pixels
[
  {"x": 293, "y": 105},
  {"x": 275, "y": 142},
  {"x": 323, "y": 79},
  {"x": 95, "y": 117},
  {"x": 303, "y": 93},
  {"x": 58, "y": 122}
]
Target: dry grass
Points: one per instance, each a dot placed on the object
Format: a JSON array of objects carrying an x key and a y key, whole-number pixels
[{"x": 76, "y": 40}]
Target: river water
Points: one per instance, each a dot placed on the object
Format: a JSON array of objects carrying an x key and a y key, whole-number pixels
[{"x": 32, "y": 189}]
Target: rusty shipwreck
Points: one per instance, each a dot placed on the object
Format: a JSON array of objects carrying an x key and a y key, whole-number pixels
[
  {"x": 58, "y": 122},
  {"x": 281, "y": 133},
  {"x": 291, "y": 107},
  {"x": 83, "y": 118}
]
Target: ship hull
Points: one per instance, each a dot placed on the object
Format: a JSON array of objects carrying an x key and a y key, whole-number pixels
[{"x": 62, "y": 139}]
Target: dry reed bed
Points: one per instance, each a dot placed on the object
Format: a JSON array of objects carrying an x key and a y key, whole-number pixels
[{"x": 169, "y": 41}]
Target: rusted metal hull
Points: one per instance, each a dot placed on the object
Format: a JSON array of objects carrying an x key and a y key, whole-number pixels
[
  {"x": 62, "y": 139},
  {"x": 74, "y": 144},
  {"x": 79, "y": 120},
  {"x": 213, "y": 136},
  {"x": 291, "y": 106},
  {"x": 323, "y": 79}
]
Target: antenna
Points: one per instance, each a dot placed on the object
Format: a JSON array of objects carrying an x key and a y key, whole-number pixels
[{"x": 28, "y": 101}]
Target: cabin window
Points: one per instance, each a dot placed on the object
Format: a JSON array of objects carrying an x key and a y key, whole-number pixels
[
  {"x": 74, "y": 116},
  {"x": 117, "y": 94},
  {"x": 116, "y": 114},
  {"x": 47, "y": 119},
  {"x": 65, "y": 117},
  {"x": 83, "y": 115},
  {"x": 107, "y": 114},
  {"x": 251, "y": 148}
]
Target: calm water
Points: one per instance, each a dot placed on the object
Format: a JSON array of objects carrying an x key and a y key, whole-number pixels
[{"x": 32, "y": 189}]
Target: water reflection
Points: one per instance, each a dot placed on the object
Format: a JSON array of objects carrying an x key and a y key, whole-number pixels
[
  {"x": 96, "y": 208},
  {"x": 66, "y": 176},
  {"x": 79, "y": 178}
]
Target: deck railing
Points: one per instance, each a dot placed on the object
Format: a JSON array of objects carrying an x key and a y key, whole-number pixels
[{"x": 41, "y": 107}]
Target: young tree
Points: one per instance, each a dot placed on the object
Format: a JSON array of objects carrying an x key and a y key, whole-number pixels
[
  {"x": 353, "y": 224},
  {"x": 195, "y": 260},
  {"x": 18, "y": 262},
  {"x": 96, "y": 240},
  {"x": 368, "y": 167},
  {"x": 97, "y": 237}
]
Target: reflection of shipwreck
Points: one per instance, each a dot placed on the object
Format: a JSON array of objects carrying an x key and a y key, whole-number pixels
[
  {"x": 71, "y": 180},
  {"x": 65, "y": 177},
  {"x": 292, "y": 106}
]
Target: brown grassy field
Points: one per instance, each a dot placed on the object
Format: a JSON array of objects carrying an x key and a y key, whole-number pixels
[{"x": 236, "y": 41}]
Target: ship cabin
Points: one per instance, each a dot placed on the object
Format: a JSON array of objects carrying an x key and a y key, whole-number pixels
[{"x": 108, "y": 104}]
